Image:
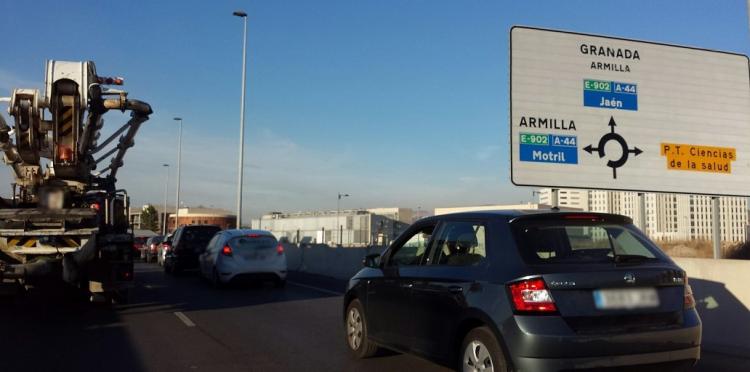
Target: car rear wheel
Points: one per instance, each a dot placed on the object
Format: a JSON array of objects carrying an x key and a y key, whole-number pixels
[
  {"x": 356, "y": 331},
  {"x": 480, "y": 351}
]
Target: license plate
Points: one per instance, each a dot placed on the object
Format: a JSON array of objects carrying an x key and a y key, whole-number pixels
[{"x": 626, "y": 298}]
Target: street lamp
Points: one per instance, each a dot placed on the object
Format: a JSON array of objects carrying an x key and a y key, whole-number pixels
[
  {"x": 166, "y": 190},
  {"x": 179, "y": 159},
  {"x": 338, "y": 212},
  {"x": 243, "y": 15}
]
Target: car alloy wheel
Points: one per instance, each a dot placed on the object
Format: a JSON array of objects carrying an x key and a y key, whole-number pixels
[
  {"x": 477, "y": 358},
  {"x": 354, "y": 328}
]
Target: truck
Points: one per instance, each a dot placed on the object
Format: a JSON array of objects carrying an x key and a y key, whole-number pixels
[{"x": 65, "y": 221}]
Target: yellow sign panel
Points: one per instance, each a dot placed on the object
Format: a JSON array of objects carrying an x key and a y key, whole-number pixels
[{"x": 698, "y": 158}]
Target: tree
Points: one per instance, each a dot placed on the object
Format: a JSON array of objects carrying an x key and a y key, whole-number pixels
[{"x": 149, "y": 218}]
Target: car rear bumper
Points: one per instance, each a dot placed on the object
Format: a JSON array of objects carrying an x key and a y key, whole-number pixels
[
  {"x": 548, "y": 343},
  {"x": 246, "y": 277},
  {"x": 685, "y": 356}
]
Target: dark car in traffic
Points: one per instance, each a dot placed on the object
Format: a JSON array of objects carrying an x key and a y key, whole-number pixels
[
  {"x": 524, "y": 291},
  {"x": 188, "y": 242}
]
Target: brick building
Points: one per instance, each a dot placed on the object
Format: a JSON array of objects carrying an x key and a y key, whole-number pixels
[{"x": 203, "y": 216}]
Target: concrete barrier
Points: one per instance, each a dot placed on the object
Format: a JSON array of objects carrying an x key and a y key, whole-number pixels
[
  {"x": 336, "y": 262},
  {"x": 722, "y": 292},
  {"x": 721, "y": 289}
]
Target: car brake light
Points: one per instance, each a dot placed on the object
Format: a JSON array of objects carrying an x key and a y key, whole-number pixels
[
  {"x": 253, "y": 235},
  {"x": 689, "y": 298},
  {"x": 591, "y": 217},
  {"x": 94, "y": 206},
  {"x": 531, "y": 295},
  {"x": 227, "y": 250},
  {"x": 279, "y": 249}
]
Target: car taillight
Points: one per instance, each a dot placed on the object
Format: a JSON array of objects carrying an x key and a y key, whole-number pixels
[
  {"x": 531, "y": 295},
  {"x": 227, "y": 250},
  {"x": 167, "y": 247},
  {"x": 279, "y": 249},
  {"x": 689, "y": 299},
  {"x": 94, "y": 206}
]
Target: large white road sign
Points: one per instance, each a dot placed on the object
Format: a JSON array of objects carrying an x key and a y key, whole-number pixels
[{"x": 607, "y": 113}]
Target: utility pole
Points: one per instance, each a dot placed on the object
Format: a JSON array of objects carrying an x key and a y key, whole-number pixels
[
  {"x": 166, "y": 191},
  {"x": 240, "y": 167},
  {"x": 338, "y": 212},
  {"x": 179, "y": 160}
]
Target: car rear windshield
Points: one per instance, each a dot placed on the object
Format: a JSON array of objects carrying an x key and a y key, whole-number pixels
[
  {"x": 198, "y": 236},
  {"x": 155, "y": 240},
  {"x": 253, "y": 242},
  {"x": 569, "y": 241}
]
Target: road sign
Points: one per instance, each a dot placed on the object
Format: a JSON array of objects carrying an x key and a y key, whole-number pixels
[{"x": 608, "y": 113}]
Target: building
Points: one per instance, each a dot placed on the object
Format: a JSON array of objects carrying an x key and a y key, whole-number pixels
[
  {"x": 355, "y": 227},
  {"x": 668, "y": 216},
  {"x": 203, "y": 216},
  {"x": 135, "y": 216},
  {"x": 496, "y": 207},
  {"x": 570, "y": 198}
]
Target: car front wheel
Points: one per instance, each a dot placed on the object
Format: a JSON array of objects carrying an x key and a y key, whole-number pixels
[
  {"x": 356, "y": 331},
  {"x": 480, "y": 351}
]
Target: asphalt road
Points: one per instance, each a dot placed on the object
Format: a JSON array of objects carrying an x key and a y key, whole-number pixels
[{"x": 182, "y": 324}]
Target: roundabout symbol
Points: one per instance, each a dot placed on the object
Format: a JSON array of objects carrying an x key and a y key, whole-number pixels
[{"x": 612, "y": 136}]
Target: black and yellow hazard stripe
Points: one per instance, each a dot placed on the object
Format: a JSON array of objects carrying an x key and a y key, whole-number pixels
[
  {"x": 21, "y": 241},
  {"x": 28, "y": 242},
  {"x": 66, "y": 121},
  {"x": 72, "y": 242}
]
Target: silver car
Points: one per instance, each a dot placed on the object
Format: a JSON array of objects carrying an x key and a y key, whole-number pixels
[{"x": 236, "y": 256}]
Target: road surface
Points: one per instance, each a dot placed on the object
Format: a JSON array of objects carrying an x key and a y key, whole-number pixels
[{"x": 182, "y": 324}]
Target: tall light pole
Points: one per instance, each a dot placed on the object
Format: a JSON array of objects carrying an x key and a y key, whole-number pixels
[
  {"x": 243, "y": 15},
  {"x": 179, "y": 159},
  {"x": 338, "y": 212},
  {"x": 166, "y": 191}
]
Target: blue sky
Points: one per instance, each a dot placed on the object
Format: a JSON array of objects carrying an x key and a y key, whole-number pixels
[{"x": 399, "y": 103}]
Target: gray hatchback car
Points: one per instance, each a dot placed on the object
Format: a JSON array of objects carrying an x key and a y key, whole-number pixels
[{"x": 525, "y": 291}]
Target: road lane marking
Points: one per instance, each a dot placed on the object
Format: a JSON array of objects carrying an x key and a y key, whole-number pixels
[
  {"x": 184, "y": 319},
  {"x": 323, "y": 290}
]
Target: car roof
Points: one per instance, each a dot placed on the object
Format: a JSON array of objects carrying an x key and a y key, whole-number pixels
[{"x": 513, "y": 214}]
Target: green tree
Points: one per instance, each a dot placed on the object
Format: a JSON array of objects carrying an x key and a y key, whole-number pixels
[{"x": 149, "y": 218}]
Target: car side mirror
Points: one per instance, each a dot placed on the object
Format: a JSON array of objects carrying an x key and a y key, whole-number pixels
[{"x": 372, "y": 260}]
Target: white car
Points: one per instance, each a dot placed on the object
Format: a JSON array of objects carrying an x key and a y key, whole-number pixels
[{"x": 236, "y": 256}]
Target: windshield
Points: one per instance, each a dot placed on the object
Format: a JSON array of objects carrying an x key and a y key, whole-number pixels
[{"x": 567, "y": 242}]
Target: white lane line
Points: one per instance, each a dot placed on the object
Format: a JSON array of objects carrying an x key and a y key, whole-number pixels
[
  {"x": 184, "y": 319},
  {"x": 322, "y": 290}
]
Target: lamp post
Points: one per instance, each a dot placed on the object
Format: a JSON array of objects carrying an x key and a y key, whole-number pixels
[
  {"x": 166, "y": 190},
  {"x": 179, "y": 159},
  {"x": 338, "y": 212},
  {"x": 240, "y": 169}
]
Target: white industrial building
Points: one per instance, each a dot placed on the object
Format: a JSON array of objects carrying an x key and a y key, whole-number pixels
[
  {"x": 668, "y": 216},
  {"x": 356, "y": 227}
]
